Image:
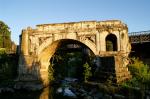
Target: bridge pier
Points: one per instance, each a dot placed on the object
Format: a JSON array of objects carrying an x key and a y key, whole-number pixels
[{"x": 113, "y": 67}]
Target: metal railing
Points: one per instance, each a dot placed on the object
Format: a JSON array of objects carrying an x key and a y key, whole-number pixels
[
  {"x": 139, "y": 37},
  {"x": 139, "y": 33}
]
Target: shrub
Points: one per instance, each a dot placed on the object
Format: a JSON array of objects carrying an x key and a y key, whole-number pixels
[
  {"x": 87, "y": 71},
  {"x": 140, "y": 74},
  {"x": 8, "y": 66}
]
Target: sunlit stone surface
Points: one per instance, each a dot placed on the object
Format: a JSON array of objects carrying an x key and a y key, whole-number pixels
[{"x": 38, "y": 45}]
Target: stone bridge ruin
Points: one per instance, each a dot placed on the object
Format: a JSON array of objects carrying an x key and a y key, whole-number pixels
[{"x": 38, "y": 45}]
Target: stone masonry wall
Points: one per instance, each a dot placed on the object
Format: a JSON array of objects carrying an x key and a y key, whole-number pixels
[{"x": 34, "y": 43}]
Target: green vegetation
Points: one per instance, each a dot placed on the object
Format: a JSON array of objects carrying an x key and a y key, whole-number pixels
[
  {"x": 8, "y": 65},
  {"x": 8, "y": 62},
  {"x": 5, "y": 40},
  {"x": 74, "y": 64},
  {"x": 87, "y": 71},
  {"x": 67, "y": 64},
  {"x": 136, "y": 87},
  {"x": 140, "y": 82},
  {"x": 140, "y": 74},
  {"x": 2, "y": 51}
]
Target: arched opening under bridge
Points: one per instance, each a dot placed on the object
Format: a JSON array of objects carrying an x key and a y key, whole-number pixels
[{"x": 65, "y": 58}]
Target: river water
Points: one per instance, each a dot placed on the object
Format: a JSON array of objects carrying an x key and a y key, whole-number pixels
[{"x": 46, "y": 93}]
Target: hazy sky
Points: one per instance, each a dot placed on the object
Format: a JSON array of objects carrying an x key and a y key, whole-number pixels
[{"x": 19, "y": 14}]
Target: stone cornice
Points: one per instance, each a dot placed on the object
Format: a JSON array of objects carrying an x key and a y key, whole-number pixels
[{"x": 75, "y": 27}]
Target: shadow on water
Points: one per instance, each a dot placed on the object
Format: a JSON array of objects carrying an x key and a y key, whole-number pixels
[{"x": 46, "y": 93}]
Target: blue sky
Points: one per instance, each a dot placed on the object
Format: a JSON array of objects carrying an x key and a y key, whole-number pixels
[{"x": 19, "y": 14}]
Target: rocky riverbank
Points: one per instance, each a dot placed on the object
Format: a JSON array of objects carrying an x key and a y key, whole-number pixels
[
  {"x": 79, "y": 90},
  {"x": 69, "y": 88}
]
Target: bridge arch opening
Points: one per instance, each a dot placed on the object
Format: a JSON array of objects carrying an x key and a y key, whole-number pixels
[
  {"x": 111, "y": 42},
  {"x": 69, "y": 58},
  {"x": 65, "y": 58}
]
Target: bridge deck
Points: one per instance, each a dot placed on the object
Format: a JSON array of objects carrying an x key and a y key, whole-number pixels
[{"x": 139, "y": 37}]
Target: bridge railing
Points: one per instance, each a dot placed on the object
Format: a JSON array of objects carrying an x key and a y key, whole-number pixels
[
  {"x": 139, "y": 37},
  {"x": 139, "y": 33}
]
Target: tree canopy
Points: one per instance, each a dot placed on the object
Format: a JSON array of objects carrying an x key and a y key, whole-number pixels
[{"x": 5, "y": 40}]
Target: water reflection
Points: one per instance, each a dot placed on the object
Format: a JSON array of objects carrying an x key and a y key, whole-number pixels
[
  {"x": 49, "y": 93},
  {"x": 46, "y": 94}
]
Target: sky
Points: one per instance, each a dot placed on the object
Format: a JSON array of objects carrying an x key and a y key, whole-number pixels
[{"x": 19, "y": 14}]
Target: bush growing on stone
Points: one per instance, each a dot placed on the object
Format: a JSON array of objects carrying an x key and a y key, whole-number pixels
[{"x": 140, "y": 74}]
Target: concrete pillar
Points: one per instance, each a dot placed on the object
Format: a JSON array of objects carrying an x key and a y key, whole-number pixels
[{"x": 24, "y": 42}]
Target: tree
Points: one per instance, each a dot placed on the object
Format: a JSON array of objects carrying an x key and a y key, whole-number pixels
[
  {"x": 87, "y": 71},
  {"x": 140, "y": 74},
  {"x": 5, "y": 41}
]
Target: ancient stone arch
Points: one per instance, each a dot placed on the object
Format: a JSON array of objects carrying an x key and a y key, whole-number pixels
[
  {"x": 39, "y": 44},
  {"x": 46, "y": 54}
]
